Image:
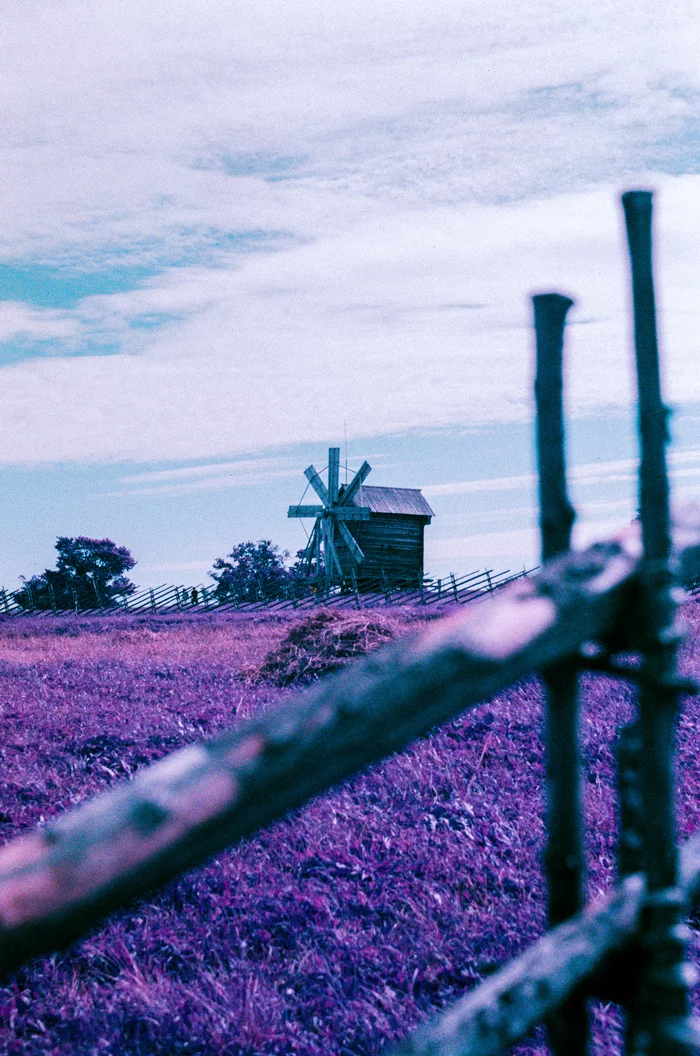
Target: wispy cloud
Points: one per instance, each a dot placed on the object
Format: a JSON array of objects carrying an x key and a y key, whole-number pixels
[
  {"x": 590, "y": 473},
  {"x": 208, "y": 481},
  {"x": 260, "y": 467}
]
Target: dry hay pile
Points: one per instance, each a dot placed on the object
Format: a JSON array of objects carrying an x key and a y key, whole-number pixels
[{"x": 325, "y": 642}]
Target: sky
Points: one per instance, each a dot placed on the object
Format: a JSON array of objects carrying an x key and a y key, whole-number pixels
[{"x": 237, "y": 234}]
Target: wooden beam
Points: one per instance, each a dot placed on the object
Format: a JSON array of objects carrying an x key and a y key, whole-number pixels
[
  {"x": 351, "y": 513},
  {"x": 317, "y": 484},
  {"x": 351, "y": 543},
  {"x": 355, "y": 484},
  {"x": 333, "y": 474},
  {"x": 331, "y": 550},
  {"x": 58, "y": 880},
  {"x": 305, "y": 511}
]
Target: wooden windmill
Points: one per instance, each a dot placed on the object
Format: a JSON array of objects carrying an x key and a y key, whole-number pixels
[
  {"x": 368, "y": 531},
  {"x": 332, "y": 516}
]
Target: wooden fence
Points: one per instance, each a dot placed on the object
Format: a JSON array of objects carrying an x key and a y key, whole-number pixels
[
  {"x": 301, "y": 594},
  {"x": 609, "y": 608}
]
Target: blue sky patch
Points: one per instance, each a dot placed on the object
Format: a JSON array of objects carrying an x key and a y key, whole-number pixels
[
  {"x": 49, "y": 286},
  {"x": 45, "y": 285}
]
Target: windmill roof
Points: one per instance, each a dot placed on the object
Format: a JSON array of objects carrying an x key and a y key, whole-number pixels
[{"x": 393, "y": 500}]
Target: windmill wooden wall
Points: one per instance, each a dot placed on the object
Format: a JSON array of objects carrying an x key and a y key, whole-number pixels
[{"x": 392, "y": 539}]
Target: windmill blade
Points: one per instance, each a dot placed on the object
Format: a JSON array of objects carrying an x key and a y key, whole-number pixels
[
  {"x": 333, "y": 474},
  {"x": 350, "y": 542},
  {"x": 332, "y": 553},
  {"x": 351, "y": 513},
  {"x": 355, "y": 484},
  {"x": 317, "y": 484},
  {"x": 305, "y": 511}
]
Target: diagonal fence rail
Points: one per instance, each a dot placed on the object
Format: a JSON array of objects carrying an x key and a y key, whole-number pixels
[
  {"x": 586, "y": 610},
  {"x": 202, "y": 598}
]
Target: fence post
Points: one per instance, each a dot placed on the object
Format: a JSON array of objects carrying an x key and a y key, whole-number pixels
[
  {"x": 5, "y": 602},
  {"x": 421, "y": 587},
  {"x": 385, "y": 588},
  {"x": 454, "y": 586},
  {"x": 489, "y": 584},
  {"x": 153, "y": 600},
  {"x": 564, "y": 855},
  {"x": 52, "y": 599},
  {"x": 659, "y": 1020}
]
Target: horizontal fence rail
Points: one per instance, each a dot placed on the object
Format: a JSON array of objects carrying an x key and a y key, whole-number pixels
[{"x": 57, "y": 881}]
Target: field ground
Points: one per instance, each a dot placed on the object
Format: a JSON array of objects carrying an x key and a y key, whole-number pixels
[{"x": 336, "y": 930}]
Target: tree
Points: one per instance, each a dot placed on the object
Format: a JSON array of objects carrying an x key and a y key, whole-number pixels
[
  {"x": 88, "y": 571},
  {"x": 254, "y": 572}
]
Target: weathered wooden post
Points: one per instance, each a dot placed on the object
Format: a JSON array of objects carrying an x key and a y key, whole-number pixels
[
  {"x": 564, "y": 856},
  {"x": 659, "y": 1022}
]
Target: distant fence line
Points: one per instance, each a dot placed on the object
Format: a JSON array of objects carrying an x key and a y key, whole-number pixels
[{"x": 200, "y": 598}]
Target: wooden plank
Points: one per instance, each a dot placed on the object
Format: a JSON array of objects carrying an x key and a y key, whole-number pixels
[
  {"x": 351, "y": 513},
  {"x": 333, "y": 565},
  {"x": 352, "y": 546},
  {"x": 57, "y": 881},
  {"x": 305, "y": 511},
  {"x": 355, "y": 484},
  {"x": 317, "y": 484},
  {"x": 333, "y": 474}
]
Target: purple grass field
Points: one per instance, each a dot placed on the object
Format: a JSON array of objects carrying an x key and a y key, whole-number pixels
[{"x": 335, "y": 931}]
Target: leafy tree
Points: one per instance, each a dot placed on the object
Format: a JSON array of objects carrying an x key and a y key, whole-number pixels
[
  {"x": 90, "y": 571},
  {"x": 253, "y": 572}
]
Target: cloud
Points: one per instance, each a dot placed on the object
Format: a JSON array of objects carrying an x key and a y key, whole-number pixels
[
  {"x": 20, "y": 320},
  {"x": 247, "y": 467},
  {"x": 587, "y": 473},
  {"x": 335, "y": 217}
]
